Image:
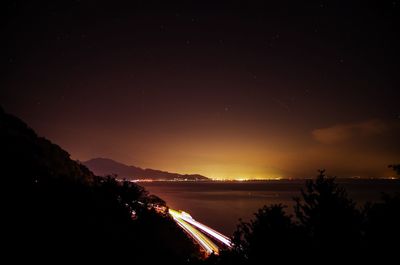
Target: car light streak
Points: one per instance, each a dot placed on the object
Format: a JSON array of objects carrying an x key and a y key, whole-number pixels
[
  {"x": 224, "y": 239},
  {"x": 186, "y": 222},
  {"x": 203, "y": 241}
]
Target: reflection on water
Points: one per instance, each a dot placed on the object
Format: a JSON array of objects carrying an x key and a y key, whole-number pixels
[{"x": 220, "y": 204}]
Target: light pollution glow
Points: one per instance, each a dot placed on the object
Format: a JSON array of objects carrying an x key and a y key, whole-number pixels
[
  {"x": 245, "y": 154},
  {"x": 222, "y": 94}
]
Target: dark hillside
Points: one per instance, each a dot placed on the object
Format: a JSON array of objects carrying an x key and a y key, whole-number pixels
[{"x": 53, "y": 205}]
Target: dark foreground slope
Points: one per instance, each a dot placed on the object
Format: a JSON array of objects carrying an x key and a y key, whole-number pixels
[{"x": 53, "y": 206}]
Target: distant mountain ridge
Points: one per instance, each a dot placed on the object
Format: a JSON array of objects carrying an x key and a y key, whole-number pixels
[{"x": 106, "y": 166}]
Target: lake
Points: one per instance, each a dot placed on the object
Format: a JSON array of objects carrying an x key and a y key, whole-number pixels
[{"x": 221, "y": 204}]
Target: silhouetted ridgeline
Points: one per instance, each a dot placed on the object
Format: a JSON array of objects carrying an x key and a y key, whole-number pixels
[
  {"x": 56, "y": 206},
  {"x": 105, "y": 166}
]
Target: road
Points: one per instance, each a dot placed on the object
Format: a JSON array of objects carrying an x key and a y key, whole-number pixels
[{"x": 201, "y": 233}]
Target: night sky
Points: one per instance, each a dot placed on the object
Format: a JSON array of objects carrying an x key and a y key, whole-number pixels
[{"x": 253, "y": 90}]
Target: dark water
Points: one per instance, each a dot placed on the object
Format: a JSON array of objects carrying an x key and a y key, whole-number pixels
[{"x": 220, "y": 204}]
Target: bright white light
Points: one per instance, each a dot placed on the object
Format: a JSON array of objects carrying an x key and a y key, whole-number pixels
[
  {"x": 209, "y": 231},
  {"x": 187, "y": 218}
]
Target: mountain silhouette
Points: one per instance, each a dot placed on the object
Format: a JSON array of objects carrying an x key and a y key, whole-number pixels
[
  {"x": 55, "y": 207},
  {"x": 105, "y": 166}
]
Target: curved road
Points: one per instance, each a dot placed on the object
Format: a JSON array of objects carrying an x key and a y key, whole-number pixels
[{"x": 200, "y": 232}]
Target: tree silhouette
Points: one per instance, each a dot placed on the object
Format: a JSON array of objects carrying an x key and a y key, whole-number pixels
[
  {"x": 328, "y": 216},
  {"x": 267, "y": 236},
  {"x": 382, "y": 219},
  {"x": 326, "y": 222}
]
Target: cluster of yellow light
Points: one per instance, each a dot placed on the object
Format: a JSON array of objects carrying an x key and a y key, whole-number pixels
[{"x": 246, "y": 179}]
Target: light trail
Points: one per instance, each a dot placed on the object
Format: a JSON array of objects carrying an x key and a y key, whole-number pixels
[
  {"x": 224, "y": 239},
  {"x": 203, "y": 241},
  {"x": 187, "y": 223}
]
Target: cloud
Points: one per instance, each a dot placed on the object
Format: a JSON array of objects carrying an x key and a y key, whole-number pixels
[{"x": 344, "y": 132}]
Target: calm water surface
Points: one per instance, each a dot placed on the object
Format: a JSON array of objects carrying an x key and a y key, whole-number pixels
[{"x": 221, "y": 204}]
